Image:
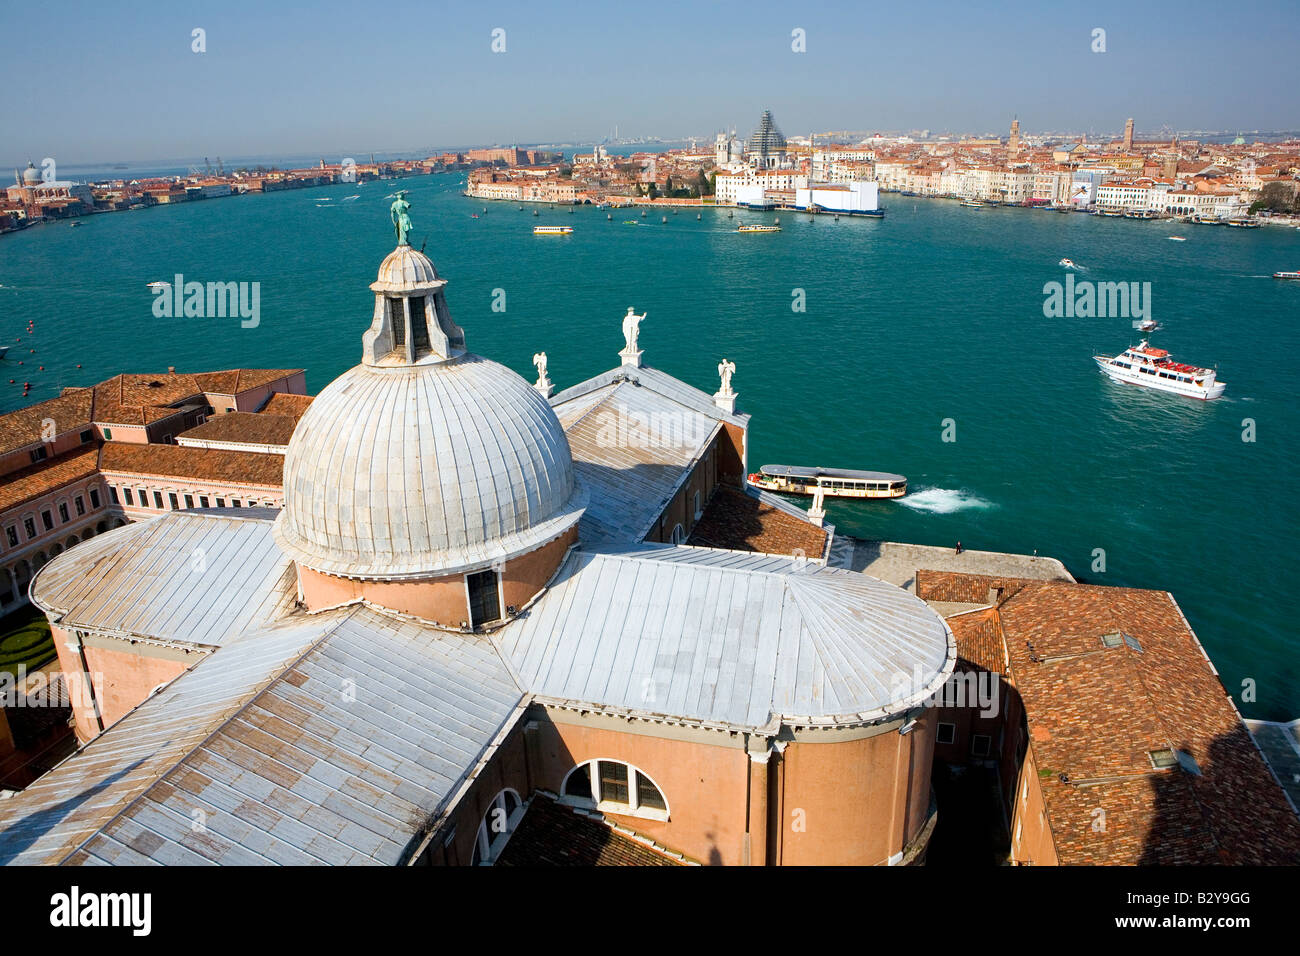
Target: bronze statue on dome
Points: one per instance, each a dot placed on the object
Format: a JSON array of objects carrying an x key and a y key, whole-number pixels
[{"x": 400, "y": 214}]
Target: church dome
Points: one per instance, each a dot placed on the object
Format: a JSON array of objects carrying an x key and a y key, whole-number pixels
[
  {"x": 31, "y": 176},
  {"x": 425, "y": 460},
  {"x": 417, "y": 471}
]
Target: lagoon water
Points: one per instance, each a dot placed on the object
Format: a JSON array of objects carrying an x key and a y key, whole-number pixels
[{"x": 933, "y": 313}]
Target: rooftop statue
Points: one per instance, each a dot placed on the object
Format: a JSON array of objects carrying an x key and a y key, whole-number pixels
[
  {"x": 725, "y": 370},
  {"x": 400, "y": 213},
  {"x": 631, "y": 327}
]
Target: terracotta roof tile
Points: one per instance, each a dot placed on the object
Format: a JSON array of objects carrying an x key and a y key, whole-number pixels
[
  {"x": 21, "y": 427},
  {"x": 36, "y": 480},
  {"x": 553, "y": 835},
  {"x": 286, "y": 403},
  {"x": 173, "y": 461},
  {"x": 257, "y": 428},
  {"x": 739, "y": 522},
  {"x": 1096, "y": 713}
]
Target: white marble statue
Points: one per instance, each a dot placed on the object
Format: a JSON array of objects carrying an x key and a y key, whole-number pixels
[
  {"x": 725, "y": 370},
  {"x": 631, "y": 328},
  {"x": 540, "y": 361}
]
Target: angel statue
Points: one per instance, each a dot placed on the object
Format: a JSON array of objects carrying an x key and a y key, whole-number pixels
[
  {"x": 725, "y": 370},
  {"x": 540, "y": 361},
  {"x": 400, "y": 214}
]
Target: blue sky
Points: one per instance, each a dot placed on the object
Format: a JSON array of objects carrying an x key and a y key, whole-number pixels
[{"x": 119, "y": 82}]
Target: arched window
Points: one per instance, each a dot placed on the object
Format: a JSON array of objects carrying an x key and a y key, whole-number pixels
[
  {"x": 498, "y": 823},
  {"x": 612, "y": 786},
  {"x": 679, "y": 534}
]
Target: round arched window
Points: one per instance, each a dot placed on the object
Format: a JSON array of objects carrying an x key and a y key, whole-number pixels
[
  {"x": 612, "y": 786},
  {"x": 498, "y": 823}
]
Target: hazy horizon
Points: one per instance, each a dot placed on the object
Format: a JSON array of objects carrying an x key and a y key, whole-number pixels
[{"x": 277, "y": 82}]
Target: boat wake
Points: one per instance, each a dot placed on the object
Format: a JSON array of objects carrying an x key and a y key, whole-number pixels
[{"x": 944, "y": 501}]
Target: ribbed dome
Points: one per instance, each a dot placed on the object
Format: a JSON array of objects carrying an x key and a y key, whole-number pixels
[
  {"x": 31, "y": 175},
  {"x": 420, "y": 470},
  {"x": 404, "y": 269}
]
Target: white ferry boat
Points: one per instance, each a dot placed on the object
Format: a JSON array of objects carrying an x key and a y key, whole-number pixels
[
  {"x": 1286, "y": 275},
  {"x": 1152, "y": 368},
  {"x": 552, "y": 230},
  {"x": 758, "y": 229},
  {"x": 974, "y": 203},
  {"x": 1067, "y": 264},
  {"x": 833, "y": 482}
]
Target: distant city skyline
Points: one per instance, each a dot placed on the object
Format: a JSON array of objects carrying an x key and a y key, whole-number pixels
[{"x": 276, "y": 82}]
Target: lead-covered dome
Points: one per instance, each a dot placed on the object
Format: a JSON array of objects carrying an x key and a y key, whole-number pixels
[
  {"x": 424, "y": 470},
  {"x": 425, "y": 460}
]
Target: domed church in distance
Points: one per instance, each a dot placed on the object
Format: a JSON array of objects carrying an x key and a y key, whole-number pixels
[{"x": 491, "y": 624}]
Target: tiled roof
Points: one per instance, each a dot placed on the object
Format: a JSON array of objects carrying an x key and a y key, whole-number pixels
[
  {"x": 287, "y": 404},
  {"x": 737, "y": 521},
  {"x": 1096, "y": 713},
  {"x": 174, "y": 461},
  {"x": 236, "y": 380},
  {"x": 956, "y": 587},
  {"x": 553, "y": 835},
  {"x": 244, "y": 427},
  {"x": 979, "y": 640},
  {"x": 35, "y": 480},
  {"x": 23, "y": 426}
]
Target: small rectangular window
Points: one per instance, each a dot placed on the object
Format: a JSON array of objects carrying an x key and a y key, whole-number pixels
[
  {"x": 613, "y": 782},
  {"x": 11, "y": 533},
  {"x": 234, "y": 503},
  {"x": 189, "y": 501},
  {"x": 221, "y": 502},
  {"x": 144, "y": 498},
  {"x": 203, "y": 501},
  {"x": 80, "y": 504},
  {"x": 108, "y": 434},
  {"x": 87, "y": 435},
  {"x": 171, "y": 497},
  {"x": 947, "y": 734},
  {"x": 112, "y": 496},
  {"x": 38, "y": 454},
  {"x": 30, "y": 527},
  {"x": 979, "y": 745},
  {"x": 47, "y": 520},
  {"x": 130, "y": 498},
  {"x": 63, "y": 512}
]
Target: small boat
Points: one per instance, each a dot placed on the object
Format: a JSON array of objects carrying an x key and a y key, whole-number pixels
[
  {"x": 552, "y": 230},
  {"x": 1177, "y": 238},
  {"x": 1287, "y": 275},
  {"x": 4, "y": 350},
  {"x": 473, "y": 215},
  {"x": 1067, "y": 264},
  {"x": 1152, "y": 368},
  {"x": 758, "y": 229},
  {"x": 159, "y": 285},
  {"x": 832, "y": 482},
  {"x": 1147, "y": 325},
  {"x": 74, "y": 224},
  {"x": 974, "y": 203},
  {"x": 630, "y": 222}
]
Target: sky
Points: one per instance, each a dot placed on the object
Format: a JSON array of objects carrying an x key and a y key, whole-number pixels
[{"x": 121, "y": 82}]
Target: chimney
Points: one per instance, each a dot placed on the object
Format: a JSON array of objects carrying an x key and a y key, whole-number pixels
[{"x": 171, "y": 369}]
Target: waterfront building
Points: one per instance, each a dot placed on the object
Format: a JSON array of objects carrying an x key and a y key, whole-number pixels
[
  {"x": 479, "y": 606},
  {"x": 76, "y": 466},
  {"x": 52, "y": 198},
  {"x": 1111, "y": 737}
]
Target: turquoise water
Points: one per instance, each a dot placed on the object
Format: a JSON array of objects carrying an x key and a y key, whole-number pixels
[{"x": 933, "y": 313}]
